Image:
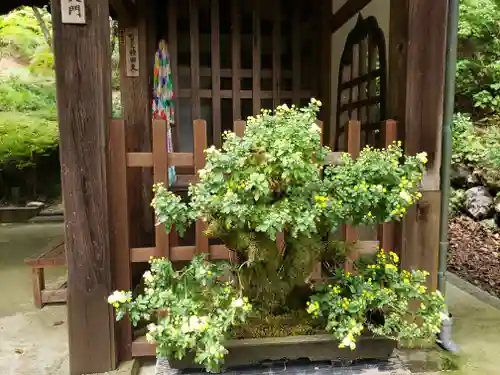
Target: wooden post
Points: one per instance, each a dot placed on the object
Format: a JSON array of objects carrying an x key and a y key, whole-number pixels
[
  {"x": 416, "y": 93},
  {"x": 136, "y": 99},
  {"x": 239, "y": 128},
  {"x": 325, "y": 76},
  {"x": 194, "y": 33},
  {"x": 352, "y": 146},
  {"x": 120, "y": 230},
  {"x": 83, "y": 73},
  {"x": 236, "y": 57},
  {"x": 256, "y": 60},
  {"x": 386, "y": 234},
  {"x": 200, "y": 144},
  {"x": 216, "y": 85},
  {"x": 160, "y": 175}
]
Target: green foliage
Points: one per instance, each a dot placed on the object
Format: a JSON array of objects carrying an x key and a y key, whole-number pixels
[
  {"x": 457, "y": 201},
  {"x": 27, "y": 94},
  {"x": 478, "y": 68},
  {"x": 477, "y": 147},
  {"x": 28, "y": 123},
  {"x": 22, "y": 39},
  {"x": 24, "y": 136},
  {"x": 194, "y": 310},
  {"x": 272, "y": 180},
  {"x": 378, "y": 299},
  {"x": 20, "y": 34}
]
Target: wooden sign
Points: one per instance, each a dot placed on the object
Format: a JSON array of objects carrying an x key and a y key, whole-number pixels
[
  {"x": 132, "y": 51},
  {"x": 73, "y": 11}
]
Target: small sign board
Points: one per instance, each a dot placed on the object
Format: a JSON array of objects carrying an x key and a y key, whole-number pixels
[
  {"x": 132, "y": 51},
  {"x": 73, "y": 11}
]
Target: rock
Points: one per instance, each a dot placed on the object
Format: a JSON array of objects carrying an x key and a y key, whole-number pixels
[
  {"x": 35, "y": 204},
  {"x": 490, "y": 223},
  {"x": 497, "y": 204},
  {"x": 479, "y": 202},
  {"x": 474, "y": 179},
  {"x": 460, "y": 175}
]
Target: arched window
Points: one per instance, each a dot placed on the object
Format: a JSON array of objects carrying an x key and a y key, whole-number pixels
[{"x": 362, "y": 82}]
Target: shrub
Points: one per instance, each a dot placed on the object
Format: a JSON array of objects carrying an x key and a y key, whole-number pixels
[
  {"x": 477, "y": 147},
  {"x": 478, "y": 67},
  {"x": 27, "y": 94},
  {"x": 195, "y": 310},
  {"x": 272, "y": 180},
  {"x": 23, "y": 136},
  {"x": 378, "y": 299}
]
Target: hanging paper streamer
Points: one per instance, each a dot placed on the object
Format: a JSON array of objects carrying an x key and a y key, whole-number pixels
[{"x": 163, "y": 97}]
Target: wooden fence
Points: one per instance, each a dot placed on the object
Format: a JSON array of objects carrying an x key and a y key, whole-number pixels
[{"x": 166, "y": 246}]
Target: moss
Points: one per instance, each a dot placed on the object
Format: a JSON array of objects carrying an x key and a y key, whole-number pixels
[{"x": 294, "y": 323}]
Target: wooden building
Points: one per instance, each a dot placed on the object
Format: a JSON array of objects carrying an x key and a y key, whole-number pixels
[{"x": 366, "y": 60}]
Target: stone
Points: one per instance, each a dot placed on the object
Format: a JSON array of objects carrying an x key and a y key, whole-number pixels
[
  {"x": 479, "y": 202},
  {"x": 497, "y": 204},
  {"x": 462, "y": 176},
  {"x": 35, "y": 204},
  {"x": 490, "y": 223}
]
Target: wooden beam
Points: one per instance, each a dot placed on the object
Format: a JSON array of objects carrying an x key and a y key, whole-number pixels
[
  {"x": 160, "y": 175},
  {"x": 276, "y": 53},
  {"x": 236, "y": 57},
  {"x": 416, "y": 94},
  {"x": 296, "y": 56},
  {"x": 325, "y": 76},
  {"x": 136, "y": 99},
  {"x": 120, "y": 230},
  {"x": 83, "y": 80},
  {"x": 215, "y": 72},
  {"x": 344, "y": 14},
  {"x": 194, "y": 32},
  {"x": 200, "y": 145},
  {"x": 125, "y": 11},
  {"x": 173, "y": 51},
  {"x": 256, "y": 60}
]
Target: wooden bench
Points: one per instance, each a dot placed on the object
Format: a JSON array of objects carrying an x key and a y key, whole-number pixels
[{"x": 54, "y": 256}]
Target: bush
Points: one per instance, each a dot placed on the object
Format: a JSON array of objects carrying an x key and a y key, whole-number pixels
[
  {"x": 24, "y": 136},
  {"x": 27, "y": 94},
  {"x": 195, "y": 310},
  {"x": 478, "y": 68},
  {"x": 477, "y": 147},
  {"x": 272, "y": 180},
  {"x": 20, "y": 34}
]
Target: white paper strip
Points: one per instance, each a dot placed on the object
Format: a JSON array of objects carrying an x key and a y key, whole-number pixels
[{"x": 73, "y": 11}]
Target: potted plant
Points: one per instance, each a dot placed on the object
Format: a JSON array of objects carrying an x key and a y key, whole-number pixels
[{"x": 273, "y": 181}]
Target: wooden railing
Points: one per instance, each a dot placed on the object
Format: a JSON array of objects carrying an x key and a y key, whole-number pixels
[{"x": 159, "y": 160}]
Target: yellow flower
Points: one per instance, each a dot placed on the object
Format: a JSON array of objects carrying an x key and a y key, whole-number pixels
[{"x": 394, "y": 257}]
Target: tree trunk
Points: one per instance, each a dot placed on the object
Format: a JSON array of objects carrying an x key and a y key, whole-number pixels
[
  {"x": 43, "y": 26},
  {"x": 267, "y": 276}
]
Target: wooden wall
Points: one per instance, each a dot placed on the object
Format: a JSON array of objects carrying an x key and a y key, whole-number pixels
[{"x": 416, "y": 93}]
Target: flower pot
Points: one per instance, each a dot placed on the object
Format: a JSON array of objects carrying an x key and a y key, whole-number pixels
[
  {"x": 322, "y": 347},
  {"x": 163, "y": 367}
]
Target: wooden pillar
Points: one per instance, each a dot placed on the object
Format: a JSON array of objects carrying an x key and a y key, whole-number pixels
[
  {"x": 83, "y": 77},
  {"x": 136, "y": 96},
  {"x": 416, "y": 93}
]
